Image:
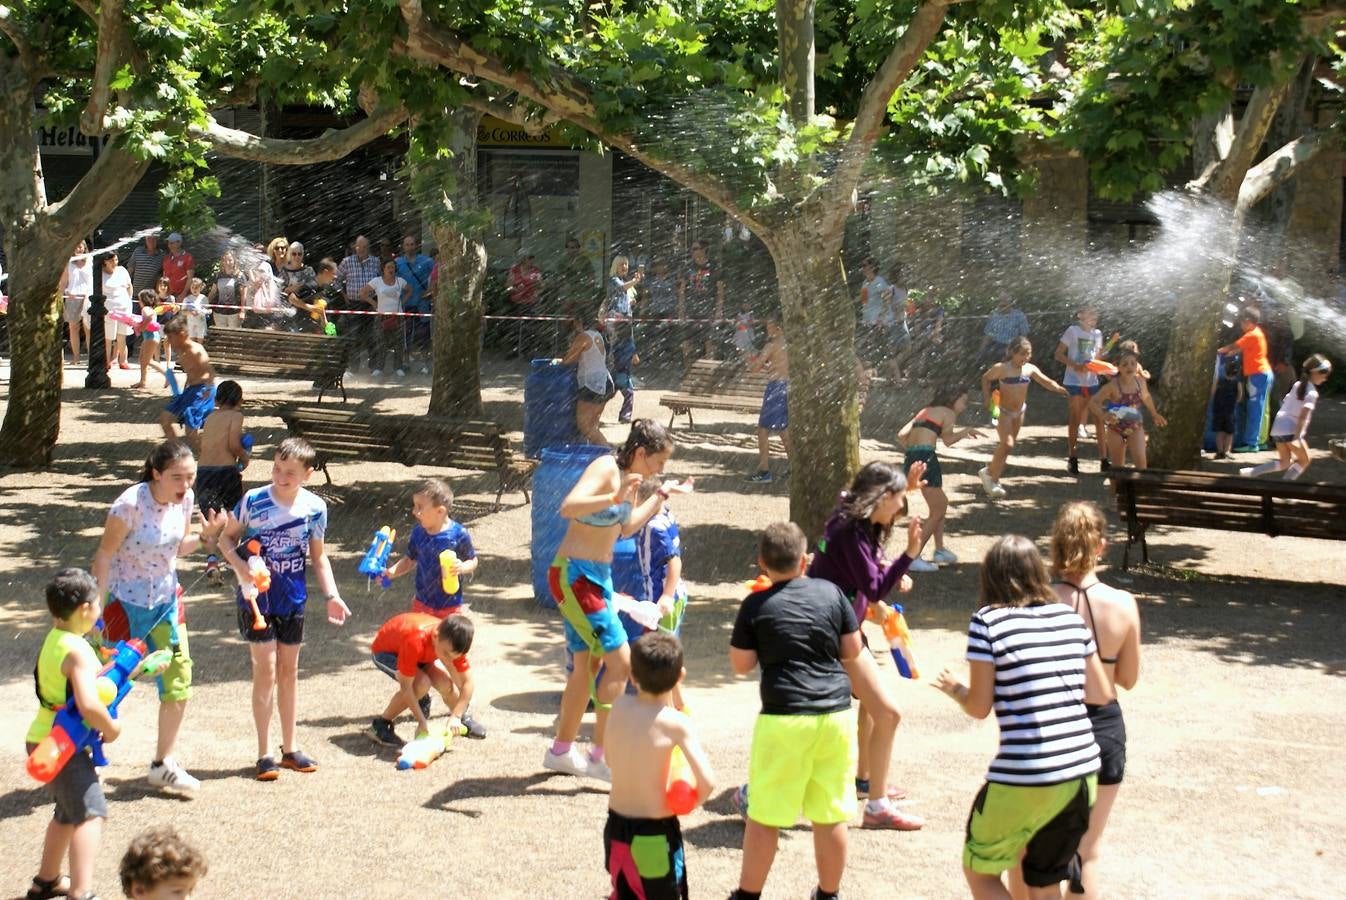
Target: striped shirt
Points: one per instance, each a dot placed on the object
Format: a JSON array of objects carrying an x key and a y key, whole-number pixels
[{"x": 1038, "y": 653}]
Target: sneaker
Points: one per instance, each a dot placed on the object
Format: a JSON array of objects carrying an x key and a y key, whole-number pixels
[
  {"x": 1246, "y": 472},
  {"x": 424, "y": 704},
  {"x": 997, "y": 491},
  {"x": 922, "y": 565},
  {"x": 425, "y": 370},
  {"x": 1246, "y": 448},
  {"x": 572, "y": 762},
  {"x": 597, "y": 769},
  {"x": 267, "y": 770},
  {"x": 987, "y": 483},
  {"x": 1073, "y": 465},
  {"x": 401, "y": 373},
  {"x": 739, "y": 800},
  {"x": 375, "y": 373},
  {"x": 1222, "y": 456},
  {"x": 213, "y": 570},
  {"x": 172, "y": 777},
  {"x": 1104, "y": 465},
  {"x": 474, "y": 728},
  {"x": 944, "y": 557},
  {"x": 348, "y": 375},
  {"x": 888, "y": 816},
  {"x": 763, "y": 477},
  {"x": 381, "y": 731},
  {"x": 894, "y": 792},
  {"x": 297, "y": 761}
]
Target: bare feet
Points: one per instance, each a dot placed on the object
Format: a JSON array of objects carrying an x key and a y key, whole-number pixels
[{"x": 138, "y": 384}]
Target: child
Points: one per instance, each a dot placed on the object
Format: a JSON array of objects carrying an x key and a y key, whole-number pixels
[
  {"x": 224, "y": 456},
  {"x": 918, "y": 439},
  {"x": 624, "y": 357},
  {"x": 775, "y": 415},
  {"x": 1013, "y": 375},
  {"x": 195, "y": 402},
  {"x": 66, "y": 667},
  {"x": 642, "y": 841},
  {"x": 1030, "y": 656},
  {"x": 1114, "y": 621},
  {"x": 1257, "y": 378},
  {"x": 165, "y": 307},
  {"x": 1122, "y": 398},
  {"x": 195, "y": 309},
  {"x": 149, "y": 333},
  {"x": 434, "y": 533},
  {"x": 801, "y": 631},
  {"x": 289, "y": 525},
  {"x": 1080, "y": 345},
  {"x": 160, "y": 865},
  {"x": 745, "y": 339},
  {"x": 1226, "y": 393},
  {"x": 1290, "y": 430},
  {"x": 420, "y": 651}
]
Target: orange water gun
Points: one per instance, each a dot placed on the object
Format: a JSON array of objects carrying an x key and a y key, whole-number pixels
[
  {"x": 758, "y": 584},
  {"x": 899, "y": 639}
]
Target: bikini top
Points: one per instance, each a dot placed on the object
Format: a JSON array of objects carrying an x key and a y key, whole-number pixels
[
  {"x": 1085, "y": 593},
  {"x": 615, "y": 514},
  {"x": 1125, "y": 398},
  {"x": 924, "y": 421},
  {"x": 1021, "y": 378}
]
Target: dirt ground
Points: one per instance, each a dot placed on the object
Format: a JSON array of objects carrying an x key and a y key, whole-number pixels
[{"x": 1237, "y": 741}]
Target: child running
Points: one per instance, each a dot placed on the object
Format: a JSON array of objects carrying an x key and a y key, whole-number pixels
[
  {"x": 1013, "y": 375},
  {"x": 439, "y": 549},
  {"x": 1080, "y": 345},
  {"x": 802, "y": 632},
  {"x": 774, "y": 417},
  {"x": 1119, "y": 404},
  {"x": 190, "y": 407},
  {"x": 149, "y": 333},
  {"x": 160, "y": 865},
  {"x": 1029, "y": 656},
  {"x": 1289, "y": 431},
  {"x": 1114, "y": 621},
  {"x": 285, "y": 526},
  {"x": 420, "y": 651},
  {"x": 642, "y": 841},
  {"x": 918, "y": 438}
]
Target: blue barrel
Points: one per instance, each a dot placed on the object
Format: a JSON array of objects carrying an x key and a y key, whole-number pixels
[
  {"x": 549, "y": 408},
  {"x": 561, "y": 468}
]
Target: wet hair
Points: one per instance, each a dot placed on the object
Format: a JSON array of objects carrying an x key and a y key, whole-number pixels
[
  {"x": 69, "y": 590},
  {"x": 647, "y": 435},
  {"x": 1315, "y": 363},
  {"x": 1252, "y": 314},
  {"x": 1012, "y": 574},
  {"x": 159, "y": 855},
  {"x": 1126, "y": 355},
  {"x": 175, "y": 326},
  {"x": 327, "y": 265},
  {"x": 656, "y": 662},
  {"x": 1018, "y": 344},
  {"x": 228, "y": 393},
  {"x": 648, "y": 488},
  {"x": 438, "y": 492},
  {"x": 164, "y": 456},
  {"x": 1233, "y": 369},
  {"x": 298, "y": 449},
  {"x": 947, "y": 394},
  {"x": 1076, "y": 534},
  {"x": 616, "y": 262},
  {"x": 147, "y": 297},
  {"x": 868, "y": 262},
  {"x": 872, "y": 483},
  {"x": 1086, "y": 308},
  {"x": 781, "y": 546},
  {"x": 457, "y": 632}
]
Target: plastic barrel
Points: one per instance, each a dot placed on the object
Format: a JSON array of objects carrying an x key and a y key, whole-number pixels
[
  {"x": 549, "y": 408},
  {"x": 561, "y": 468}
]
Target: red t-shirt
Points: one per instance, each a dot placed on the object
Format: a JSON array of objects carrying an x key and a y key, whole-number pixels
[
  {"x": 524, "y": 284},
  {"x": 176, "y": 269},
  {"x": 1253, "y": 346},
  {"x": 412, "y": 637}
]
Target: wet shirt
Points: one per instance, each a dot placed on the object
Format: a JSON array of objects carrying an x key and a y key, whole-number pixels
[
  {"x": 656, "y": 544},
  {"x": 143, "y": 570},
  {"x": 284, "y": 533},
  {"x": 411, "y": 638},
  {"x": 425, "y": 548}
]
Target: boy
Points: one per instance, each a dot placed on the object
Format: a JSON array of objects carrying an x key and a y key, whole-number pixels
[
  {"x": 659, "y": 550},
  {"x": 420, "y": 651},
  {"x": 305, "y": 297},
  {"x": 195, "y": 310},
  {"x": 801, "y": 631},
  {"x": 1226, "y": 392},
  {"x": 224, "y": 456},
  {"x": 1257, "y": 379},
  {"x": 160, "y": 865},
  {"x": 67, "y": 666},
  {"x": 434, "y": 533},
  {"x": 197, "y": 399},
  {"x": 286, "y": 521},
  {"x": 775, "y": 414},
  {"x": 642, "y": 841}
]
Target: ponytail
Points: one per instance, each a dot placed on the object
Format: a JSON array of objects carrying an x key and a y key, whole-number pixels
[
  {"x": 647, "y": 435},
  {"x": 163, "y": 456},
  {"x": 1315, "y": 363}
]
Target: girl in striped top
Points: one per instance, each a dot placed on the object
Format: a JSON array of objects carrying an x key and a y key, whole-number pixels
[{"x": 1028, "y": 656}]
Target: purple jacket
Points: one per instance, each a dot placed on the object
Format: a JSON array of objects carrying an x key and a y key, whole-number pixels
[{"x": 848, "y": 556}]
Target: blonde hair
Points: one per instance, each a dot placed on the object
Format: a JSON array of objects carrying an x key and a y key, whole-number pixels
[
  {"x": 1078, "y": 531},
  {"x": 276, "y": 245},
  {"x": 618, "y": 261}
]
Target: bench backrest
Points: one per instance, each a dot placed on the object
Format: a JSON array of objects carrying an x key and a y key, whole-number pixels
[
  {"x": 414, "y": 440},
  {"x": 709, "y": 377},
  {"x": 283, "y": 349}
]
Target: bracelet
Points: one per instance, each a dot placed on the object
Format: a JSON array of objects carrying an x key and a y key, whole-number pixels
[{"x": 663, "y": 493}]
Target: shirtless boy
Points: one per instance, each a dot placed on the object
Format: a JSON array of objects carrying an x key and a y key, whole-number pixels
[{"x": 197, "y": 399}]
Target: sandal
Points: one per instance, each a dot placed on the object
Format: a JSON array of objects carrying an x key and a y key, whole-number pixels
[{"x": 43, "y": 889}]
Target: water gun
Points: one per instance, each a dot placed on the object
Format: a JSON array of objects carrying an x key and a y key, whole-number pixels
[
  {"x": 757, "y": 585},
  {"x": 680, "y": 795},
  {"x": 426, "y": 748},
  {"x": 899, "y": 639},
  {"x": 448, "y": 572},
  {"x": 166, "y": 308},
  {"x": 261, "y": 582},
  {"x": 644, "y": 613},
  {"x": 316, "y": 314},
  {"x": 1101, "y": 367},
  {"x": 137, "y": 323},
  {"x": 995, "y": 403},
  {"x": 70, "y": 733},
  {"x": 172, "y": 380},
  {"x": 376, "y": 557},
  {"x": 246, "y": 441}
]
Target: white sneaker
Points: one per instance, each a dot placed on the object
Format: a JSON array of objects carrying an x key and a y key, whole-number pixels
[
  {"x": 922, "y": 565},
  {"x": 401, "y": 373},
  {"x": 997, "y": 491},
  {"x": 1246, "y": 471},
  {"x": 572, "y": 762},
  {"x": 944, "y": 557},
  {"x": 375, "y": 373},
  {"x": 597, "y": 769},
  {"x": 987, "y": 484},
  {"x": 425, "y": 370},
  {"x": 172, "y": 777}
]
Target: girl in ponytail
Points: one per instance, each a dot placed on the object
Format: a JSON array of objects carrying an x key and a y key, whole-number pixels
[{"x": 1289, "y": 431}]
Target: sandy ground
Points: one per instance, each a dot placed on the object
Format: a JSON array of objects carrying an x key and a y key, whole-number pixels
[{"x": 1237, "y": 739}]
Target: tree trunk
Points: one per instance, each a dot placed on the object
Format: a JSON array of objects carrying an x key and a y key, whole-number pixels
[
  {"x": 820, "y": 334},
  {"x": 33, "y": 417}
]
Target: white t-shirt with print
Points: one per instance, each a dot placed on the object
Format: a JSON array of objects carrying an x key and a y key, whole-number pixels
[
  {"x": 1081, "y": 347},
  {"x": 143, "y": 571},
  {"x": 389, "y": 295}
]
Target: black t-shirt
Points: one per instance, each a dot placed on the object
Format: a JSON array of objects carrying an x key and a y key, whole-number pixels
[
  {"x": 796, "y": 628},
  {"x": 702, "y": 289}
]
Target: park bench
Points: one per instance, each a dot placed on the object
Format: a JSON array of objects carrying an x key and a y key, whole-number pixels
[
  {"x": 341, "y": 433},
  {"x": 281, "y": 354},
  {"x": 1272, "y": 506},
  {"x": 715, "y": 384}
]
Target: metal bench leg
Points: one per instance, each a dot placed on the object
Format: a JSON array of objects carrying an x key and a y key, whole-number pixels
[{"x": 326, "y": 473}]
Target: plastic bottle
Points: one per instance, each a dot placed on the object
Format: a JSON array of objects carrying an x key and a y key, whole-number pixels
[{"x": 448, "y": 571}]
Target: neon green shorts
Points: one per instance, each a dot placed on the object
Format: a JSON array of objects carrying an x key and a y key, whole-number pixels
[
  {"x": 802, "y": 764},
  {"x": 1044, "y": 824},
  {"x": 159, "y": 630}
]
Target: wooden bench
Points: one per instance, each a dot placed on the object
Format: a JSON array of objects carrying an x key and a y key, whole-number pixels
[
  {"x": 281, "y": 354},
  {"x": 713, "y": 384},
  {"x": 349, "y": 434},
  {"x": 1268, "y": 505}
]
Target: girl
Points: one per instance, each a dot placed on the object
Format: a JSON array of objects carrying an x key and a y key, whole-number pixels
[
  {"x": 588, "y": 352},
  {"x": 226, "y": 291},
  {"x": 1114, "y": 622},
  {"x": 117, "y": 290},
  {"x": 1029, "y": 657},
  {"x": 76, "y": 288},
  {"x": 850, "y": 555},
  {"x": 600, "y": 508},
  {"x": 1080, "y": 345},
  {"x": 391, "y": 292},
  {"x": 1290, "y": 429},
  {"x": 149, "y": 337},
  {"x": 918, "y": 438},
  {"x": 1013, "y": 374},
  {"x": 147, "y": 529},
  {"x": 1123, "y": 398}
]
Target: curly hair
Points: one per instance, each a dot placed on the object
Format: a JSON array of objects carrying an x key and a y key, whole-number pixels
[
  {"x": 158, "y": 855},
  {"x": 1076, "y": 535}
]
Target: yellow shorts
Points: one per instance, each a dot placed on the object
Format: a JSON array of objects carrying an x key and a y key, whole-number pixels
[
  {"x": 802, "y": 764},
  {"x": 175, "y": 682}
]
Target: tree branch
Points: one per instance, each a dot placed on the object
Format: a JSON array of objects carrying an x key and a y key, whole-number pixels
[
  {"x": 112, "y": 43},
  {"x": 331, "y": 144},
  {"x": 1223, "y": 179},
  {"x": 513, "y": 113},
  {"x": 1284, "y": 164},
  {"x": 98, "y": 193},
  {"x": 11, "y": 31}
]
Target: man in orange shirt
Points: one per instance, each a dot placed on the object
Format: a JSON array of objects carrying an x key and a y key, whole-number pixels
[
  {"x": 1252, "y": 345},
  {"x": 421, "y": 651}
]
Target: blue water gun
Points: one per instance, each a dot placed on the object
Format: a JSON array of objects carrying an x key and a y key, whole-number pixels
[{"x": 376, "y": 557}]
